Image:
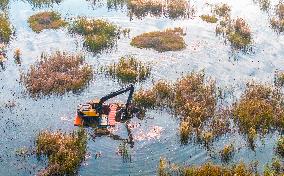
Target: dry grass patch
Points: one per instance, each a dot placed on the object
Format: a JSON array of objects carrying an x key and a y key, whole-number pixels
[
  {"x": 98, "y": 34},
  {"x": 46, "y": 20},
  {"x": 5, "y": 29},
  {"x": 168, "y": 40},
  {"x": 260, "y": 109},
  {"x": 129, "y": 69},
  {"x": 57, "y": 73},
  {"x": 209, "y": 18},
  {"x": 64, "y": 151}
]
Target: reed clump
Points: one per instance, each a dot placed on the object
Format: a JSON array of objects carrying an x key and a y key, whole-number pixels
[
  {"x": 64, "y": 151},
  {"x": 277, "y": 22},
  {"x": 260, "y": 109},
  {"x": 5, "y": 29},
  {"x": 209, "y": 18},
  {"x": 129, "y": 69},
  {"x": 57, "y": 73},
  {"x": 168, "y": 40},
  {"x": 98, "y": 34},
  {"x": 46, "y": 20}
]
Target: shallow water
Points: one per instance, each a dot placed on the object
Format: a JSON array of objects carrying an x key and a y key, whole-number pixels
[{"x": 231, "y": 70}]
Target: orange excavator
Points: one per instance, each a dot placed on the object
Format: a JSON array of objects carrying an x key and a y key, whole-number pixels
[{"x": 97, "y": 112}]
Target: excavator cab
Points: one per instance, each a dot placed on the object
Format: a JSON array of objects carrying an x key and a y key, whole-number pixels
[{"x": 104, "y": 115}]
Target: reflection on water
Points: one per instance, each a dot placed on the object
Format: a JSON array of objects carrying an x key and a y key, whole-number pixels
[{"x": 20, "y": 124}]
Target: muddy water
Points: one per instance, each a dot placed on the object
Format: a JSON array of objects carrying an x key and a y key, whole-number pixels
[{"x": 231, "y": 69}]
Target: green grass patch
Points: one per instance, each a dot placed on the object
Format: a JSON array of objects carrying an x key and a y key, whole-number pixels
[
  {"x": 5, "y": 29},
  {"x": 46, "y": 20},
  {"x": 57, "y": 73},
  {"x": 129, "y": 70},
  {"x": 168, "y": 40},
  {"x": 64, "y": 151},
  {"x": 98, "y": 34},
  {"x": 209, "y": 18}
]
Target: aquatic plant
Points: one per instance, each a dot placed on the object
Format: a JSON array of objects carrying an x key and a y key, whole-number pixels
[
  {"x": 129, "y": 70},
  {"x": 177, "y": 8},
  {"x": 64, "y": 151},
  {"x": 277, "y": 21},
  {"x": 195, "y": 99},
  {"x": 45, "y": 20},
  {"x": 276, "y": 167},
  {"x": 164, "y": 93},
  {"x": 4, "y": 5},
  {"x": 57, "y": 73},
  {"x": 168, "y": 40},
  {"x": 209, "y": 18},
  {"x": 264, "y": 4},
  {"x": 5, "y": 29},
  {"x": 98, "y": 34},
  {"x": 123, "y": 150},
  {"x": 279, "y": 80},
  {"x": 227, "y": 152},
  {"x": 260, "y": 108},
  {"x": 222, "y": 10},
  {"x": 184, "y": 129},
  {"x": 239, "y": 169},
  {"x": 17, "y": 55},
  {"x": 145, "y": 99},
  {"x": 280, "y": 146},
  {"x": 43, "y": 3}
]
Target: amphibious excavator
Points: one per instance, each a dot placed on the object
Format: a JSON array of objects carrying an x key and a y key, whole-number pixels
[{"x": 105, "y": 115}]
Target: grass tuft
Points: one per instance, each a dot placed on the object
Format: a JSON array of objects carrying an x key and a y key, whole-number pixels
[
  {"x": 168, "y": 40},
  {"x": 129, "y": 70},
  {"x": 64, "y": 151},
  {"x": 46, "y": 20},
  {"x": 57, "y": 73}
]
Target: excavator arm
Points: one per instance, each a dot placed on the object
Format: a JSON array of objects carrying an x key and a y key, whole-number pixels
[{"x": 114, "y": 94}]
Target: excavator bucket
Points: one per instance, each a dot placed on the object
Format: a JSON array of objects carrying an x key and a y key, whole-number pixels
[{"x": 78, "y": 121}]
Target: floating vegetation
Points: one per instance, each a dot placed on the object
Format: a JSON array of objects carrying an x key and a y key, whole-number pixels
[
  {"x": 5, "y": 29},
  {"x": 46, "y": 20},
  {"x": 43, "y": 3},
  {"x": 277, "y": 22},
  {"x": 260, "y": 109},
  {"x": 129, "y": 70},
  {"x": 64, "y": 151},
  {"x": 98, "y": 34},
  {"x": 280, "y": 146},
  {"x": 168, "y": 40},
  {"x": 172, "y": 9},
  {"x": 209, "y": 18},
  {"x": 227, "y": 152},
  {"x": 57, "y": 73}
]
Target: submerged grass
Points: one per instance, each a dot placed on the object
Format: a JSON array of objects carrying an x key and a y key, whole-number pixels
[
  {"x": 5, "y": 29},
  {"x": 46, "y": 20},
  {"x": 64, "y": 151},
  {"x": 168, "y": 40},
  {"x": 98, "y": 34},
  {"x": 260, "y": 109},
  {"x": 129, "y": 70},
  {"x": 57, "y": 73}
]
